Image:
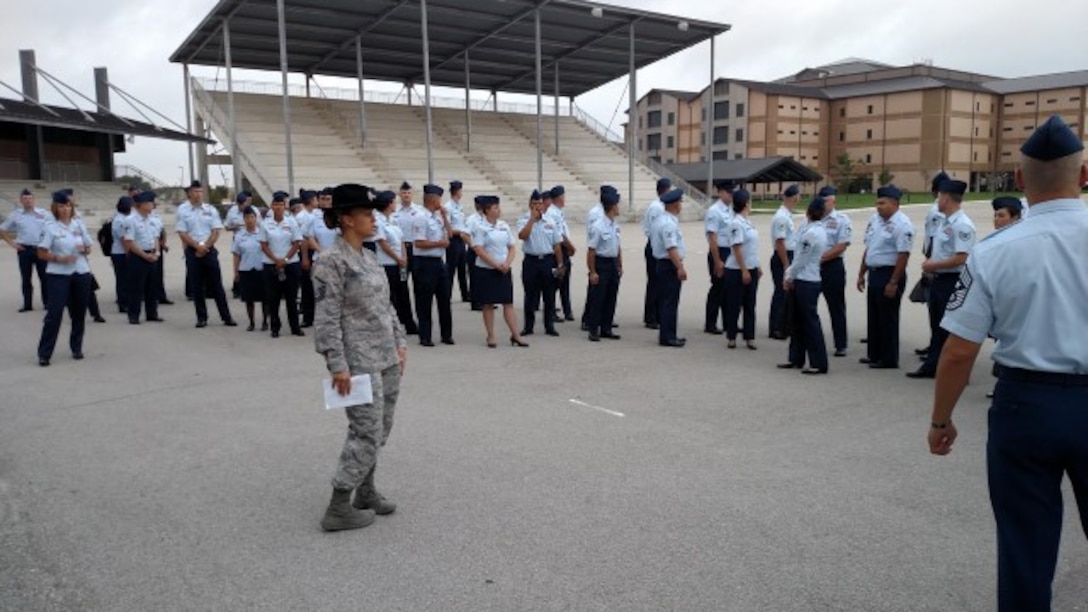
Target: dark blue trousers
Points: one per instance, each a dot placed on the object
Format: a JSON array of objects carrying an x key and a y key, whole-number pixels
[
  {"x": 738, "y": 297},
  {"x": 470, "y": 260},
  {"x": 940, "y": 291},
  {"x": 833, "y": 286},
  {"x": 286, "y": 290},
  {"x": 883, "y": 328},
  {"x": 120, "y": 279},
  {"x": 807, "y": 337},
  {"x": 1038, "y": 434},
  {"x": 456, "y": 267},
  {"x": 601, "y": 307},
  {"x": 142, "y": 286},
  {"x": 28, "y": 263},
  {"x": 777, "y": 317},
  {"x": 430, "y": 284},
  {"x": 205, "y": 277},
  {"x": 649, "y": 308},
  {"x": 538, "y": 281},
  {"x": 668, "y": 299},
  {"x": 65, "y": 291},
  {"x": 715, "y": 296}
]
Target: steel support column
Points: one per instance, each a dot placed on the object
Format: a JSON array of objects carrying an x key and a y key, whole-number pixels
[
  {"x": 362, "y": 101},
  {"x": 286, "y": 98},
  {"x": 710, "y": 127},
  {"x": 539, "y": 106},
  {"x": 427, "y": 87},
  {"x": 468, "y": 105},
  {"x": 188, "y": 119},
  {"x": 236, "y": 172},
  {"x": 632, "y": 119}
]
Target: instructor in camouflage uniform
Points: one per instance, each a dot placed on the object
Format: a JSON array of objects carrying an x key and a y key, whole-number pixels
[{"x": 357, "y": 331}]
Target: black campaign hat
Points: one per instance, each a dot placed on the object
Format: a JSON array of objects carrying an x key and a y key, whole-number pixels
[{"x": 350, "y": 196}]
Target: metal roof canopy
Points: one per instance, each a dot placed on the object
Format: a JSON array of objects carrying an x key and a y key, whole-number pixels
[
  {"x": 775, "y": 169},
  {"x": 19, "y": 111},
  {"x": 498, "y": 38}
]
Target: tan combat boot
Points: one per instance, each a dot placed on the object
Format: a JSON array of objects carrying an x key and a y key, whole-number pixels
[
  {"x": 368, "y": 498},
  {"x": 341, "y": 516}
]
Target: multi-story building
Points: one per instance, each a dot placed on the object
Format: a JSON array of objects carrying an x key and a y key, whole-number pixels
[{"x": 866, "y": 120}]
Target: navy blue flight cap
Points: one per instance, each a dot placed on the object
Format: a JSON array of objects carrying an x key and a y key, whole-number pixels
[
  {"x": 194, "y": 185},
  {"x": 295, "y": 202},
  {"x": 430, "y": 189},
  {"x": 487, "y": 200},
  {"x": 456, "y": 185},
  {"x": 889, "y": 191},
  {"x": 937, "y": 180},
  {"x": 605, "y": 188},
  {"x": 249, "y": 211},
  {"x": 558, "y": 191},
  {"x": 817, "y": 207},
  {"x": 124, "y": 205},
  {"x": 828, "y": 191},
  {"x": 663, "y": 183},
  {"x": 741, "y": 196},
  {"x": 144, "y": 197},
  {"x": 952, "y": 186},
  {"x": 791, "y": 191},
  {"x": 724, "y": 185},
  {"x": 672, "y": 196},
  {"x": 306, "y": 195},
  {"x": 326, "y": 191},
  {"x": 1052, "y": 140},
  {"x": 242, "y": 197},
  {"x": 280, "y": 196},
  {"x": 536, "y": 195},
  {"x": 384, "y": 198},
  {"x": 69, "y": 191},
  {"x": 59, "y": 197},
  {"x": 610, "y": 197},
  {"x": 25, "y": 192},
  {"x": 1014, "y": 205},
  {"x": 405, "y": 186}
]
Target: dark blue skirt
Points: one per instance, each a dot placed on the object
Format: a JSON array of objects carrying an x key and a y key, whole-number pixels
[{"x": 492, "y": 287}]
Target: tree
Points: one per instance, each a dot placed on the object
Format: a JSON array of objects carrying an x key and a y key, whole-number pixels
[
  {"x": 886, "y": 177},
  {"x": 843, "y": 171}
]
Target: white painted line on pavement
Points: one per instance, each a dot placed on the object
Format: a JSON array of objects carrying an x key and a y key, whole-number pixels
[{"x": 604, "y": 410}]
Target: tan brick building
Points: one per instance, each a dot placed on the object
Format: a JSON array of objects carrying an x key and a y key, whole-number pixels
[{"x": 909, "y": 121}]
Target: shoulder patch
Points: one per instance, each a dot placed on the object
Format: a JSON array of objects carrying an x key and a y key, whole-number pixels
[
  {"x": 963, "y": 287},
  {"x": 965, "y": 235}
]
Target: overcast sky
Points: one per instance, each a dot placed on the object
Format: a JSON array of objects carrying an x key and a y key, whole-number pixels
[{"x": 134, "y": 39}]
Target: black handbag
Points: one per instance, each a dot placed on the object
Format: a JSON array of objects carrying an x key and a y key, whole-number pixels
[{"x": 920, "y": 293}]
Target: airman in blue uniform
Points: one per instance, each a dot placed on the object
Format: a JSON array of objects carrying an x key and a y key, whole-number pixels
[
  {"x": 667, "y": 242},
  {"x": 802, "y": 278},
  {"x": 718, "y": 225},
  {"x": 541, "y": 264},
  {"x": 649, "y": 218},
  {"x": 604, "y": 258},
  {"x": 457, "y": 252},
  {"x": 833, "y": 272},
  {"x": 22, "y": 230},
  {"x": 784, "y": 240},
  {"x": 142, "y": 241},
  {"x": 889, "y": 238},
  {"x": 431, "y": 236},
  {"x": 198, "y": 226}
]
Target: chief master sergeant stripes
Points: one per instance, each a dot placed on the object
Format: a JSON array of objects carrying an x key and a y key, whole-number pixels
[{"x": 1039, "y": 418}]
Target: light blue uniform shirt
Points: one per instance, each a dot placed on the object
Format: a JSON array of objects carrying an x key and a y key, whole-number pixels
[
  {"x": 143, "y": 231},
  {"x": 235, "y": 220},
  {"x": 305, "y": 221},
  {"x": 811, "y": 244},
  {"x": 543, "y": 237},
  {"x": 594, "y": 215},
  {"x": 429, "y": 227},
  {"x": 666, "y": 235},
  {"x": 719, "y": 221},
  {"x": 743, "y": 233},
  {"x": 934, "y": 219},
  {"x": 406, "y": 217},
  {"x": 956, "y": 235},
  {"x": 1037, "y": 318},
  {"x": 324, "y": 236},
  {"x": 380, "y": 221},
  {"x": 604, "y": 237},
  {"x": 62, "y": 241},
  {"x": 247, "y": 245},
  {"x": 471, "y": 222},
  {"x": 653, "y": 211},
  {"x": 117, "y": 231},
  {"x": 456, "y": 215},
  {"x": 886, "y": 239},
  {"x": 559, "y": 219},
  {"x": 839, "y": 230},
  {"x": 198, "y": 221},
  {"x": 27, "y": 226},
  {"x": 389, "y": 232},
  {"x": 280, "y": 236},
  {"x": 782, "y": 228},
  {"x": 496, "y": 240}
]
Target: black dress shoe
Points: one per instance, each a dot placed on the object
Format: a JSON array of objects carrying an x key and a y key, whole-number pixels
[
  {"x": 550, "y": 332},
  {"x": 201, "y": 324},
  {"x": 305, "y": 325},
  {"x": 921, "y": 373},
  {"x": 157, "y": 320},
  {"x": 99, "y": 320},
  {"x": 922, "y": 351},
  {"x": 813, "y": 371},
  {"x": 777, "y": 335},
  {"x": 990, "y": 395},
  {"x": 230, "y": 323},
  {"x": 133, "y": 321},
  {"x": 594, "y": 338},
  {"x": 448, "y": 341},
  {"x": 790, "y": 366},
  {"x": 264, "y": 326},
  {"x": 674, "y": 343},
  {"x": 166, "y": 302},
  {"x": 714, "y": 331},
  {"x": 585, "y": 327},
  {"x": 275, "y": 334},
  {"x": 251, "y": 327},
  {"x": 840, "y": 353},
  {"x": 611, "y": 336},
  {"x": 25, "y": 309},
  {"x": 43, "y": 363},
  {"x": 298, "y": 332},
  {"x": 866, "y": 360},
  {"x": 653, "y": 326},
  {"x": 77, "y": 356},
  {"x": 426, "y": 343},
  {"x": 526, "y": 332},
  {"x": 883, "y": 366},
  {"x": 864, "y": 341},
  {"x": 476, "y": 308},
  {"x": 568, "y": 317}
]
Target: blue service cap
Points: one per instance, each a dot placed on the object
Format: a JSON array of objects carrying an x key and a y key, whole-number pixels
[
  {"x": 430, "y": 189},
  {"x": 25, "y": 192},
  {"x": 741, "y": 196},
  {"x": 1052, "y": 140},
  {"x": 672, "y": 196},
  {"x": 610, "y": 197},
  {"x": 605, "y": 188},
  {"x": 385, "y": 198},
  {"x": 59, "y": 197},
  {"x": 124, "y": 205},
  {"x": 941, "y": 177},
  {"x": 536, "y": 195},
  {"x": 889, "y": 191},
  {"x": 280, "y": 196},
  {"x": 724, "y": 185},
  {"x": 144, "y": 196},
  {"x": 1009, "y": 202},
  {"x": 663, "y": 184},
  {"x": 558, "y": 191},
  {"x": 827, "y": 191},
  {"x": 791, "y": 191},
  {"x": 486, "y": 200},
  {"x": 242, "y": 197},
  {"x": 952, "y": 186},
  {"x": 455, "y": 185},
  {"x": 817, "y": 207}
]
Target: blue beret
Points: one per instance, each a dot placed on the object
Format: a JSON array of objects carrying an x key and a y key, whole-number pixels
[
  {"x": 430, "y": 189},
  {"x": 249, "y": 210},
  {"x": 816, "y": 207},
  {"x": 941, "y": 177},
  {"x": 455, "y": 185},
  {"x": 672, "y": 196},
  {"x": 144, "y": 197},
  {"x": 558, "y": 191},
  {"x": 132, "y": 188},
  {"x": 952, "y": 186},
  {"x": 124, "y": 205},
  {"x": 405, "y": 186},
  {"x": 741, "y": 196},
  {"x": 25, "y": 192},
  {"x": 384, "y": 198},
  {"x": 663, "y": 184},
  {"x": 59, "y": 197},
  {"x": 828, "y": 191},
  {"x": 1014, "y": 205},
  {"x": 486, "y": 200},
  {"x": 610, "y": 197},
  {"x": 1052, "y": 140},
  {"x": 242, "y": 197},
  {"x": 889, "y": 191},
  {"x": 724, "y": 185},
  {"x": 791, "y": 191},
  {"x": 536, "y": 195}
]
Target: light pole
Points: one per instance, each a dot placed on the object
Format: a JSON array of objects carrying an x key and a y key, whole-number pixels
[{"x": 181, "y": 169}]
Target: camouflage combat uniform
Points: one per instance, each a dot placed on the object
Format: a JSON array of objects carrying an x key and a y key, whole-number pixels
[{"x": 356, "y": 330}]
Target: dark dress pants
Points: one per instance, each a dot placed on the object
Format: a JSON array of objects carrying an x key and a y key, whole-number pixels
[
  {"x": 883, "y": 328},
  {"x": 538, "y": 281},
  {"x": 205, "y": 277},
  {"x": 470, "y": 258},
  {"x": 431, "y": 284},
  {"x": 65, "y": 291},
  {"x": 306, "y": 285},
  {"x": 668, "y": 300},
  {"x": 601, "y": 309},
  {"x": 141, "y": 287},
  {"x": 456, "y": 266},
  {"x": 833, "y": 281},
  {"x": 120, "y": 279},
  {"x": 286, "y": 290},
  {"x": 777, "y": 317},
  {"x": 740, "y": 297},
  {"x": 159, "y": 278},
  {"x": 398, "y": 296},
  {"x": 564, "y": 288},
  {"x": 940, "y": 291},
  {"x": 649, "y": 307},
  {"x": 715, "y": 296},
  {"x": 28, "y": 263},
  {"x": 807, "y": 337}
]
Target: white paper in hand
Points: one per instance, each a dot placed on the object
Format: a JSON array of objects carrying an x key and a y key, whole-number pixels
[{"x": 361, "y": 393}]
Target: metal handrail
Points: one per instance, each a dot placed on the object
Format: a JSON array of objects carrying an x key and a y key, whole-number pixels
[
  {"x": 130, "y": 170},
  {"x": 218, "y": 114}
]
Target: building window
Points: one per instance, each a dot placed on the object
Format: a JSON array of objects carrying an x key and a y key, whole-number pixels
[
  {"x": 974, "y": 156},
  {"x": 1007, "y": 154},
  {"x": 702, "y": 115},
  {"x": 668, "y": 161},
  {"x": 739, "y": 135},
  {"x": 1008, "y": 105},
  {"x": 740, "y": 109},
  {"x": 842, "y": 136},
  {"x": 721, "y": 135},
  {"x": 702, "y": 158},
  {"x": 870, "y": 109},
  {"x": 780, "y": 107},
  {"x": 978, "y": 106},
  {"x": 976, "y": 130},
  {"x": 815, "y": 133},
  {"x": 792, "y": 132},
  {"x": 804, "y": 108},
  {"x": 721, "y": 88},
  {"x": 989, "y": 156},
  {"x": 640, "y": 123},
  {"x": 702, "y": 140},
  {"x": 868, "y": 134},
  {"x": 815, "y": 157},
  {"x": 1028, "y": 128},
  {"x": 1007, "y": 129},
  {"x": 1075, "y": 99},
  {"x": 721, "y": 154},
  {"x": 654, "y": 98},
  {"x": 793, "y": 107},
  {"x": 842, "y": 111},
  {"x": 721, "y": 110},
  {"x": 868, "y": 158},
  {"x": 669, "y": 143},
  {"x": 672, "y": 118},
  {"x": 804, "y": 133},
  {"x": 738, "y": 156},
  {"x": 1052, "y": 101},
  {"x": 653, "y": 119},
  {"x": 1029, "y": 103},
  {"x": 653, "y": 142},
  {"x": 779, "y": 131}
]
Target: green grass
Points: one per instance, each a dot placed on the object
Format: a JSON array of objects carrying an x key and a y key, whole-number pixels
[{"x": 852, "y": 201}]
